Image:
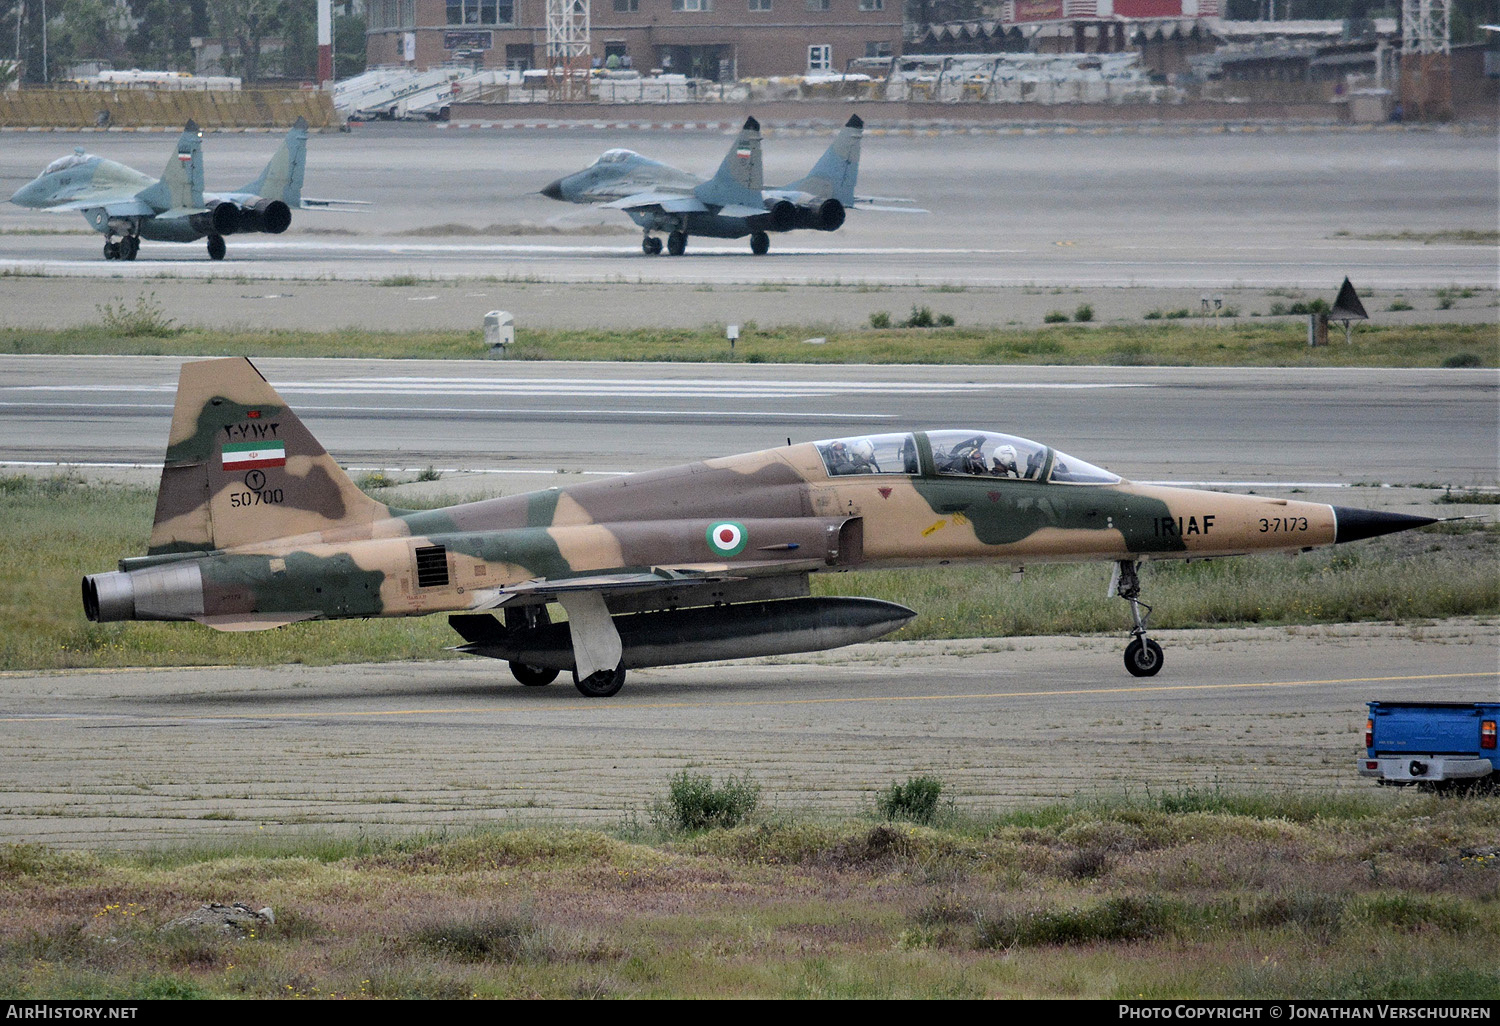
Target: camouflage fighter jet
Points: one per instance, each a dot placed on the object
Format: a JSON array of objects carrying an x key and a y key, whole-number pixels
[
  {"x": 256, "y": 526},
  {"x": 120, "y": 201},
  {"x": 731, "y": 205}
]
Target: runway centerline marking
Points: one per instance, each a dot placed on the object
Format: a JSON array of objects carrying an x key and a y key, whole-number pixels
[{"x": 575, "y": 707}]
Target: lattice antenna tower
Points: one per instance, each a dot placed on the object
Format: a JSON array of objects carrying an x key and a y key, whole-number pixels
[
  {"x": 568, "y": 49},
  {"x": 1426, "y": 85}
]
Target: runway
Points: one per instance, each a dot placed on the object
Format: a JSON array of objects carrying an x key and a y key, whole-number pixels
[
  {"x": 136, "y": 758},
  {"x": 1237, "y": 426},
  {"x": 1267, "y": 210}
]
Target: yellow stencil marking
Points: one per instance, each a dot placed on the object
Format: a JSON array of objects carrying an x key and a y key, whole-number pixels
[{"x": 935, "y": 527}]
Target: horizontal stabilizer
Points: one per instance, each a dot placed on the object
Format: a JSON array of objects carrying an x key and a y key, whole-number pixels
[{"x": 311, "y": 203}]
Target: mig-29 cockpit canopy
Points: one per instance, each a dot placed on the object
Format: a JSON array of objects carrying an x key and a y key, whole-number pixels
[
  {"x": 78, "y": 156},
  {"x": 617, "y": 156},
  {"x": 958, "y": 453}
]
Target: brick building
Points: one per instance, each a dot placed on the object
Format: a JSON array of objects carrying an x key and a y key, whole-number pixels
[{"x": 713, "y": 39}]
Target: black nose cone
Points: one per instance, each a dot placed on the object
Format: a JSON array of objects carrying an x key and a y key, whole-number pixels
[
  {"x": 553, "y": 190},
  {"x": 1353, "y": 524}
]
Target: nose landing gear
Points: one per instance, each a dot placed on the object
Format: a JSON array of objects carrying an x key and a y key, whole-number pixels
[
  {"x": 1143, "y": 657},
  {"x": 650, "y": 245}
]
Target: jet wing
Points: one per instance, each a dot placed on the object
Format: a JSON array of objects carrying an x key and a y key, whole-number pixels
[
  {"x": 131, "y": 207},
  {"x": 670, "y": 202},
  {"x": 658, "y": 577},
  {"x": 880, "y": 203}
]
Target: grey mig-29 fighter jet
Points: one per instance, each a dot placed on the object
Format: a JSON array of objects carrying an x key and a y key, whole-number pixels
[
  {"x": 120, "y": 201},
  {"x": 732, "y": 204},
  {"x": 257, "y": 527}
]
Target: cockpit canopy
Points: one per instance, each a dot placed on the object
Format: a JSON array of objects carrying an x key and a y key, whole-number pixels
[
  {"x": 71, "y": 160},
  {"x": 618, "y": 156},
  {"x": 959, "y": 454}
]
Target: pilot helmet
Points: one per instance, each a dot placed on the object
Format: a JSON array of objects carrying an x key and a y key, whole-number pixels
[
  {"x": 862, "y": 449},
  {"x": 1005, "y": 459}
]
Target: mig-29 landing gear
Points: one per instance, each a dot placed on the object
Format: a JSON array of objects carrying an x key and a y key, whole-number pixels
[
  {"x": 1143, "y": 657},
  {"x": 650, "y": 245},
  {"x": 677, "y": 243},
  {"x": 216, "y": 247},
  {"x": 125, "y": 249},
  {"x": 760, "y": 243}
]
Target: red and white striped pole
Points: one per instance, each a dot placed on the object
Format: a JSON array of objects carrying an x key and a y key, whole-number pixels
[{"x": 325, "y": 41}]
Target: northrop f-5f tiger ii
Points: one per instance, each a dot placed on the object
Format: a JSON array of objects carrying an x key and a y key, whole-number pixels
[{"x": 256, "y": 526}]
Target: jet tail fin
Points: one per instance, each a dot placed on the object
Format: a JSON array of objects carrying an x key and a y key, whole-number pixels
[
  {"x": 242, "y": 469},
  {"x": 181, "y": 185},
  {"x": 833, "y": 176},
  {"x": 739, "y": 179},
  {"x": 281, "y": 178}
]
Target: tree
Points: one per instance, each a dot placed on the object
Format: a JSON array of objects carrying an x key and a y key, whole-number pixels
[
  {"x": 243, "y": 26},
  {"x": 348, "y": 45},
  {"x": 164, "y": 30}
]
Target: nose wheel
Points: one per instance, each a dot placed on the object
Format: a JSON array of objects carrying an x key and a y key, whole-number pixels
[
  {"x": 1143, "y": 657},
  {"x": 650, "y": 245}
]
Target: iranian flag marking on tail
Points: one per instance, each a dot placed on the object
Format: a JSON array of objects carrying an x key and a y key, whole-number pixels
[
  {"x": 743, "y": 153},
  {"x": 254, "y": 455}
]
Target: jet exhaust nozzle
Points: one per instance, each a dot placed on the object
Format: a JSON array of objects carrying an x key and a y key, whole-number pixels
[
  {"x": 108, "y": 597},
  {"x": 830, "y": 215},
  {"x": 269, "y": 216},
  {"x": 699, "y": 634},
  {"x": 170, "y": 592},
  {"x": 783, "y": 215}
]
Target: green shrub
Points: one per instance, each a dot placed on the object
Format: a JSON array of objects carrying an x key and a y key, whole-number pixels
[
  {"x": 1180, "y": 313},
  {"x": 880, "y": 319},
  {"x": 921, "y": 317},
  {"x": 1085, "y": 312},
  {"x": 1116, "y": 919},
  {"x": 945, "y": 321},
  {"x": 1463, "y": 360},
  {"x": 916, "y": 800},
  {"x": 1055, "y": 317},
  {"x": 1153, "y": 315},
  {"x": 695, "y": 802},
  {"x": 1398, "y": 305},
  {"x": 498, "y": 936}
]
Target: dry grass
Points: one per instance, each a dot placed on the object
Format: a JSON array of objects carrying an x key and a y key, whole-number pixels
[{"x": 1232, "y": 895}]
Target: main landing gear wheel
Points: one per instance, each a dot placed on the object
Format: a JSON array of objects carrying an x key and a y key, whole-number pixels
[
  {"x": 677, "y": 243},
  {"x": 651, "y": 245},
  {"x": 760, "y": 243},
  {"x": 601, "y": 684},
  {"x": 216, "y": 247},
  {"x": 1143, "y": 657},
  {"x": 111, "y": 250},
  {"x": 130, "y": 245},
  {"x": 532, "y": 676}
]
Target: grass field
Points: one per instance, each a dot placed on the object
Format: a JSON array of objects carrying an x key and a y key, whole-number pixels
[
  {"x": 1276, "y": 342},
  {"x": 58, "y": 529},
  {"x": 1198, "y": 893}
]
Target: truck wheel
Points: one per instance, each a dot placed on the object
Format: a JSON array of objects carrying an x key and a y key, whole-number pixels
[{"x": 1143, "y": 660}]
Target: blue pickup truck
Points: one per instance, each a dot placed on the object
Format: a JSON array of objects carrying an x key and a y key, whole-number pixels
[{"x": 1438, "y": 745}]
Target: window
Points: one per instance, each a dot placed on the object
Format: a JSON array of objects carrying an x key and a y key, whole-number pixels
[
  {"x": 987, "y": 454},
  {"x": 692, "y": 5},
  {"x": 819, "y": 5},
  {"x": 627, "y": 6},
  {"x": 819, "y": 57},
  {"x": 481, "y": 12},
  {"x": 760, "y": 5},
  {"x": 870, "y": 454},
  {"x": 878, "y": 49},
  {"x": 872, "y": 5}
]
